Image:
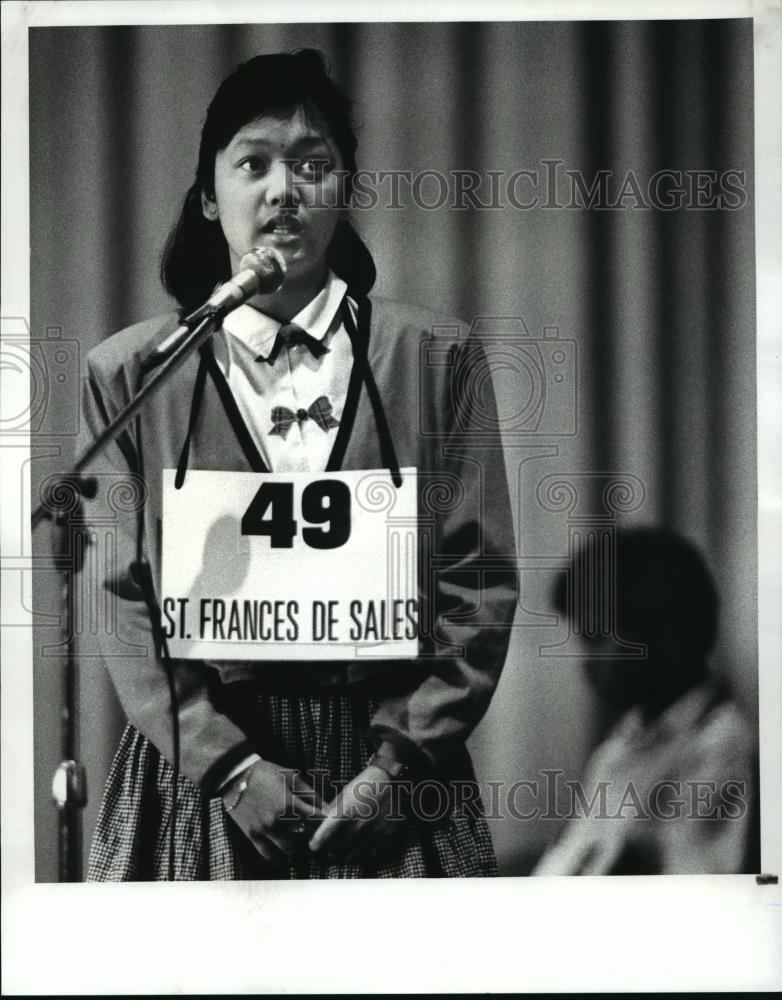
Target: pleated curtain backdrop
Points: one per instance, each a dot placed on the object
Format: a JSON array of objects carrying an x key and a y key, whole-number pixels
[{"x": 660, "y": 304}]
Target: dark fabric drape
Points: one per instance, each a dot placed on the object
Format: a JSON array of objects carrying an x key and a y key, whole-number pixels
[{"x": 659, "y": 303}]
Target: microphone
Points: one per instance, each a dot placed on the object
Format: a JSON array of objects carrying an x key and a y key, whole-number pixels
[{"x": 262, "y": 270}]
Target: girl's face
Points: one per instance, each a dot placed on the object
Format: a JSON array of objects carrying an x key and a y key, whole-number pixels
[{"x": 277, "y": 184}]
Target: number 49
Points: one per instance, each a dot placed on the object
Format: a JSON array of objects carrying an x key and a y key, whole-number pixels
[{"x": 325, "y": 502}]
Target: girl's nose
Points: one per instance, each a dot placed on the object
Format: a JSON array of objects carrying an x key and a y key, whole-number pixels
[{"x": 280, "y": 189}]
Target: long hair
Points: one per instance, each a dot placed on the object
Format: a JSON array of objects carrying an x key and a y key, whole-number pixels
[{"x": 196, "y": 255}]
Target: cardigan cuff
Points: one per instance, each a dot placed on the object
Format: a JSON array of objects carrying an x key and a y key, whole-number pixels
[
  {"x": 244, "y": 764},
  {"x": 217, "y": 773},
  {"x": 404, "y": 749}
]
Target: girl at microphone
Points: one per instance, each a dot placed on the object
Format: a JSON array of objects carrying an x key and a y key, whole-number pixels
[{"x": 266, "y": 769}]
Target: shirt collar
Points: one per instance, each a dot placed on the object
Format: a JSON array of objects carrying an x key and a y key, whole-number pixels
[
  {"x": 257, "y": 331},
  {"x": 682, "y": 715}
]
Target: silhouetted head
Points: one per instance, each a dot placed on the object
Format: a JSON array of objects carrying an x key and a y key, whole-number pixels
[{"x": 651, "y": 587}]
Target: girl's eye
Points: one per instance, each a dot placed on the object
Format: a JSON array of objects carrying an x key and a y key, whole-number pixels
[
  {"x": 313, "y": 167},
  {"x": 252, "y": 164}
]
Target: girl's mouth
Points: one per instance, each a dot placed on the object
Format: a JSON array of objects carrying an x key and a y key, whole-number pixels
[{"x": 283, "y": 227}]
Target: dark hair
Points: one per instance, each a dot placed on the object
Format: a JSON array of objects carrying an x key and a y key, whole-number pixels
[
  {"x": 196, "y": 255},
  {"x": 663, "y": 587}
]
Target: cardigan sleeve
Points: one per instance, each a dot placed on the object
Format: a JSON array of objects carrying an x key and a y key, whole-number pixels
[
  {"x": 469, "y": 587},
  {"x": 121, "y": 605}
]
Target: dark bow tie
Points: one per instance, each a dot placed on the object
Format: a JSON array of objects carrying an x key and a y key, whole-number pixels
[
  {"x": 319, "y": 411},
  {"x": 287, "y": 336}
]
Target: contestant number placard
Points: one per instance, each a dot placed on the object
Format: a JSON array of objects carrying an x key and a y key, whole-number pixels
[{"x": 290, "y": 566}]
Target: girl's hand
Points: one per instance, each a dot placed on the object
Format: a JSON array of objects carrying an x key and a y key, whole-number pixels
[
  {"x": 363, "y": 821},
  {"x": 278, "y": 811}
]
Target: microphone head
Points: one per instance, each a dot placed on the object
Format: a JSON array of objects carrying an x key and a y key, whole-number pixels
[{"x": 268, "y": 264}]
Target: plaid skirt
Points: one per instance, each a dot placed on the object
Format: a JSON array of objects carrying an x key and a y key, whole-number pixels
[{"x": 323, "y": 734}]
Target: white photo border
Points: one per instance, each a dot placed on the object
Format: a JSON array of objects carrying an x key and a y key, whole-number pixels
[{"x": 505, "y": 934}]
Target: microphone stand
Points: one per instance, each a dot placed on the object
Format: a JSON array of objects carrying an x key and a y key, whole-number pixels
[
  {"x": 182, "y": 343},
  {"x": 69, "y": 788},
  {"x": 69, "y": 784}
]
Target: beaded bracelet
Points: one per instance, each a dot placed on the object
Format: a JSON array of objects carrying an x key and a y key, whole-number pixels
[{"x": 242, "y": 787}]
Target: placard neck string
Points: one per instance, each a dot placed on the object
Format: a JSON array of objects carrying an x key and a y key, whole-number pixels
[
  {"x": 195, "y": 409},
  {"x": 358, "y": 331},
  {"x": 359, "y": 338}
]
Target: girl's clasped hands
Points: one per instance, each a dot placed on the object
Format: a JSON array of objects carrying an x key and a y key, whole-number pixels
[{"x": 285, "y": 817}]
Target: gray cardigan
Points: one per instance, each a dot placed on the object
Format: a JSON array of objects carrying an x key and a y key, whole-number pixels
[{"x": 467, "y": 585}]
